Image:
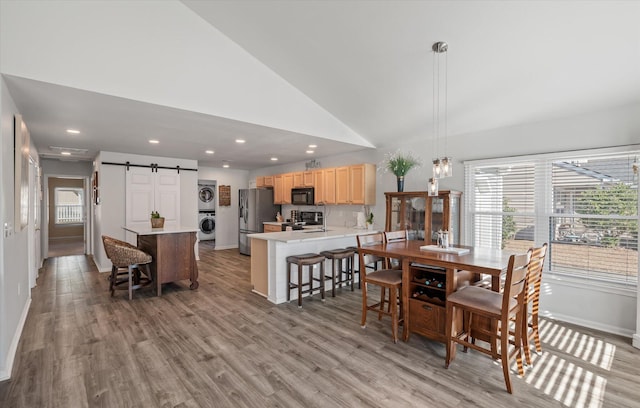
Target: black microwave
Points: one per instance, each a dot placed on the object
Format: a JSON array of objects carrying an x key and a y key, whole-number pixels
[{"x": 302, "y": 196}]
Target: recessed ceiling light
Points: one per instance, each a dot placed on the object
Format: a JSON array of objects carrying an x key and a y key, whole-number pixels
[
  {"x": 240, "y": 140},
  {"x": 226, "y": 166},
  {"x": 65, "y": 153},
  {"x": 274, "y": 159},
  {"x": 73, "y": 131},
  {"x": 152, "y": 141},
  {"x": 313, "y": 146},
  {"x": 310, "y": 151},
  {"x": 209, "y": 151}
]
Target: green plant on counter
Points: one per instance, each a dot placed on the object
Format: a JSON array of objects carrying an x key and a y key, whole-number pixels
[
  {"x": 155, "y": 214},
  {"x": 370, "y": 218}
]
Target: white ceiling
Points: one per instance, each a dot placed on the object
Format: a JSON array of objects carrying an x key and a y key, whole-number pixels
[{"x": 369, "y": 64}]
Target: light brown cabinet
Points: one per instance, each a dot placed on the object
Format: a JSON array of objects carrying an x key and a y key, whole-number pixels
[
  {"x": 424, "y": 216},
  {"x": 278, "y": 188},
  {"x": 356, "y": 184},
  {"x": 268, "y": 181},
  {"x": 329, "y": 188},
  {"x": 287, "y": 185},
  {"x": 259, "y": 181},
  {"x": 297, "y": 179},
  {"x": 307, "y": 179},
  {"x": 272, "y": 228}
]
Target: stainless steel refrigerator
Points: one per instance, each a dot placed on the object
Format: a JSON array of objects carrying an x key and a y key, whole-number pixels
[{"x": 256, "y": 207}]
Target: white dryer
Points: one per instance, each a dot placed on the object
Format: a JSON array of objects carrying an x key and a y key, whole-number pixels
[
  {"x": 206, "y": 197},
  {"x": 207, "y": 226}
]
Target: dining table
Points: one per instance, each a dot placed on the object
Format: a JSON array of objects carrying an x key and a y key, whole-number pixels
[{"x": 460, "y": 269}]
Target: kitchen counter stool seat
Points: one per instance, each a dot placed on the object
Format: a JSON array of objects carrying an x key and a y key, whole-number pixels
[
  {"x": 337, "y": 257},
  {"x": 309, "y": 260}
]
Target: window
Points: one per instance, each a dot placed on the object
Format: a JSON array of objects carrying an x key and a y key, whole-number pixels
[
  {"x": 585, "y": 205},
  {"x": 69, "y": 207}
]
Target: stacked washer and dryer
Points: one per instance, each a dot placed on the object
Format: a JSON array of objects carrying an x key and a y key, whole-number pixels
[{"x": 206, "y": 210}]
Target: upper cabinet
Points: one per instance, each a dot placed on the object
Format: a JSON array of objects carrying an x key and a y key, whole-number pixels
[
  {"x": 423, "y": 216},
  {"x": 342, "y": 185},
  {"x": 356, "y": 184}
]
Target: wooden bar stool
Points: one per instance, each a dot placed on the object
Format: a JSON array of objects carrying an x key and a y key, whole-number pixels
[
  {"x": 339, "y": 257},
  {"x": 371, "y": 262},
  {"x": 126, "y": 257},
  {"x": 308, "y": 260}
]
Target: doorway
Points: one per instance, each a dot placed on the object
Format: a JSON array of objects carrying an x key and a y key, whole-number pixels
[{"x": 67, "y": 218}]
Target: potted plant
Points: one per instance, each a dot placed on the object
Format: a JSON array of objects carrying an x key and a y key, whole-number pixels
[
  {"x": 156, "y": 220},
  {"x": 399, "y": 164},
  {"x": 370, "y": 221}
]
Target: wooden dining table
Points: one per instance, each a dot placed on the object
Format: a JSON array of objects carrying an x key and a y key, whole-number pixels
[{"x": 459, "y": 270}]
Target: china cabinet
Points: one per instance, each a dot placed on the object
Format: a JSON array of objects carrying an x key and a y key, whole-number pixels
[{"x": 423, "y": 216}]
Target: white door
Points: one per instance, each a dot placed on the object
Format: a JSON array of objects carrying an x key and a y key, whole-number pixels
[{"x": 147, "y": 191}]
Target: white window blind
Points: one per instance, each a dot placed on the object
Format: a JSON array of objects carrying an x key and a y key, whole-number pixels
[{"x": 585, "y": 205}]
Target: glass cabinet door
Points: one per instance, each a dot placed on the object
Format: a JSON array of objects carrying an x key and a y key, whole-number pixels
[{"x": 437, "y": 216}]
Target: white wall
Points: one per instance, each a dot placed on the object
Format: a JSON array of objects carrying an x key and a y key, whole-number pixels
[
  {"x": 109, "y": 215},
  {"x": 170, "y": 45},
  {"x": 15, "y": 295},
  {"x": 226, "y": 217}
]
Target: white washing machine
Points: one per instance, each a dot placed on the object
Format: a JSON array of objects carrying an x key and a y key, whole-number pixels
[
  {"x": 207, "y": 226},
  {"x": 206, "y": 197}
]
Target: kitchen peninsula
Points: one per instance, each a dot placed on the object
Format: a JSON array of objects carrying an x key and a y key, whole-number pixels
[
  {"x": 173, "y": 253},
  {"x": 270, "y": 250}
]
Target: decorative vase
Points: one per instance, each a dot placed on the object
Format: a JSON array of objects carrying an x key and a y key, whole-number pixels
[
  {"x": 157, "y": 222},
  {"x": 400, "y": 184}
]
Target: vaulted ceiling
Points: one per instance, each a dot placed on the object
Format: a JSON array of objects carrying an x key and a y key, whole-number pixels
[{"x": 360, "y": 71}]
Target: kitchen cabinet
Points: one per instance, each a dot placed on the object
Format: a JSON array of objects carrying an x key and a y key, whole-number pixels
[
  {"x": 287, "y": 185},
  {"x": 268, "y": 181},
  {"x": 259, "y": 181},
  {"x": 423, "y": 216},
  {"x": 356, "y": 184},
  {"x": 329, "y": 187},
  {"x": 297, "y": 179},
  {"x": 272, "y": 228},
  {"x": 278, "y": 190},
  {"x": 307, "y": 179}
]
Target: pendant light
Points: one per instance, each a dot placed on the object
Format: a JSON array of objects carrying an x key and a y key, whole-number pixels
[{"x": 442, "y": 166}]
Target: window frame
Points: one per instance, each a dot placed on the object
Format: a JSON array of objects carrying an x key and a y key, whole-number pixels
[
  {"x": 80, "y": 191},
  {"x": 543, "y": 210}
]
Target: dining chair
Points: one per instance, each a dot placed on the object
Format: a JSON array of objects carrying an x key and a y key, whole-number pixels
[
  {"x": 389, "y": 280},
  {"x": 530, "y": 328},
  {"x": 502, "y": 307},
  {"x": 391, "y": 237}
]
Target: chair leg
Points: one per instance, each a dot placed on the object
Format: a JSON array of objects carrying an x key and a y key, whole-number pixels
[
  {"x": 504, "y": 354},
  {"x": 535, "y": 323},
  {"x": 300, "y": 284},
  {"x": 524, "y": 330},
  {"x": 130, "y": 282},
  {"x": 394, "y": 313},
  {"x": 322, "y": 277},
  {"x": 363, "y": 320},
  {"x": 450, "y": 345},
  {"x": 519, "y": 341},
  {"x": 383, "y": 299},
  {"x": 114, "y": 278},
  {"x": 334, "y": 277},
  {"x": 289, "y": 281}
]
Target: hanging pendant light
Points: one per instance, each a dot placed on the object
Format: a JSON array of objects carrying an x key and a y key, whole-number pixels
[
  {"x": 442, "y": 166},
  {"x": 433, "y": 186}
]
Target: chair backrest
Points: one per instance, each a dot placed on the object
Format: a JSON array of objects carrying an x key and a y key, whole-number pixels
[
  {"x": 516, "y": 280},
  {"x": 536, "y": 265},
  {"x": 396, "y": 236},
  {"x": 106, "y": 241},
  {"x": 391, "y": 237},
  {"x": 369, "y": 240}
]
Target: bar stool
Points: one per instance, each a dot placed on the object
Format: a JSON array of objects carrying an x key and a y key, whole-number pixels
[
  {"x": 130, "y": 258},
  {"x": 305, "y": 260},
  {"x": 337, "y": 256}
]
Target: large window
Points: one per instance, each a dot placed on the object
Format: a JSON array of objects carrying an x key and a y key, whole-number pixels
[
  {"x": 585, "y": 205},
  {"x": 69, "y": 204}
]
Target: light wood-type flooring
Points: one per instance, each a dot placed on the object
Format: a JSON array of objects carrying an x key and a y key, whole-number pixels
[{"x": 222, "y": 346}]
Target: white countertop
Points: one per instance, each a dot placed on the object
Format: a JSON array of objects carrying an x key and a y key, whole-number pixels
[
  {"x": 147, "y": 230},
  {"x": 311, "y": 234}
]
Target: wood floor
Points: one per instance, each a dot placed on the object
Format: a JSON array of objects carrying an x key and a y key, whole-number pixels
[
  {"x": 66, "y": 246},
  {"x": 222, "y": 346}
]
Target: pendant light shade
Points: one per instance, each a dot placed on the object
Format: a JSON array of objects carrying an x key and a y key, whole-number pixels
[
  {"x": 433, "y": 187},
  {"x": 442, "y": 166}
]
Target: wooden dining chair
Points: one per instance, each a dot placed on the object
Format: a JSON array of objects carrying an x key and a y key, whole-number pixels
[
  {"x": 530, "y": 327},
  {"x": 389, "y": 280},
  {"x": 391, "y": 237},
  {"x": 502, "y": 307}
]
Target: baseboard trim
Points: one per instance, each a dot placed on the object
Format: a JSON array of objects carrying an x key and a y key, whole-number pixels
[
  {"x": 5, "y": 373},
  {"x": 592, "y": 325},
  {"x": 219, "y": 247},
  {"x": 636, "y": 341}
]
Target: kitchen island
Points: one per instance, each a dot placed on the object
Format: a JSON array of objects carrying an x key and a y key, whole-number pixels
[
  {"x": 173, "y": 253},
  {"x": 270, "y": 250}
]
